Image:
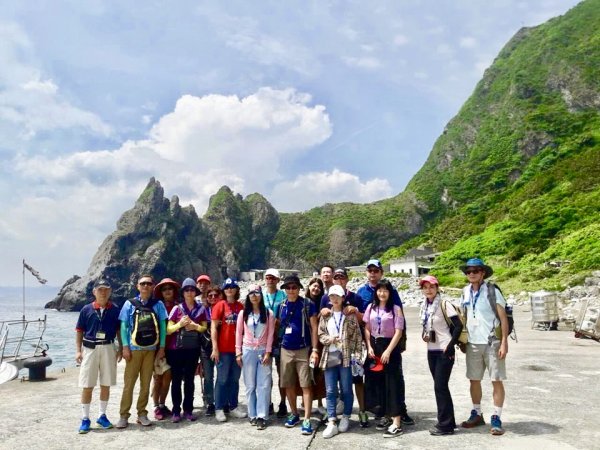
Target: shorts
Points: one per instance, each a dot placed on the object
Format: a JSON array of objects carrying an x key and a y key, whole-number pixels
[
  {"x": 294, "y": 365},
  {"x": 99, "y": 365},
  {"x": 358, "y": 379},
  {"x": 161, "y": 366},
  {"x": 482, "y": 356}
]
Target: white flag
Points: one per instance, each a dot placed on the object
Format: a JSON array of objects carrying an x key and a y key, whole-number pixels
[{"x": 34, "y": 272}]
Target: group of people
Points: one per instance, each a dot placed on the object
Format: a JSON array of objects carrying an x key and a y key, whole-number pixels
[{"x": 328, "y": 342}]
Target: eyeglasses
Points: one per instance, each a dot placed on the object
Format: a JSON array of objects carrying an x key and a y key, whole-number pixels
[
  {"x": 146, "y": 283},
  {"x": 254, "y": 294},
  {"x": 292, "y": 288},
  {"x": 167, "y": 288},
  {"x": 472, "y": 271},
  {"x": 270, "y": 277},
  {"x": 340, "y": 277},
  {"x": 213, "y": 295},
  {"x": 189, "y": 289},
  {"x": 373, "y": 270}
]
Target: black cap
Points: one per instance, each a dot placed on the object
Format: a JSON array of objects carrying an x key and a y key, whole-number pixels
[
  {"x": 291, "y": 279},
  {"x": 101, "y": 283}
]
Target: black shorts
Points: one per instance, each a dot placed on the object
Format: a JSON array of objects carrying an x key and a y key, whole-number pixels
[{"x": 358, "y": 380}]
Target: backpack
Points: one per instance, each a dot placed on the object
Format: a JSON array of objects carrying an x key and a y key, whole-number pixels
[
  {"x": 462, "y": 316},
  {"x": 509, "y": 312},
  {"x": 145, "y": 324}
]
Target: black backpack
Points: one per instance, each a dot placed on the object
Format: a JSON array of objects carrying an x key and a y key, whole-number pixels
[
  {"x": 145, "y": 332},
  {"x": 509, "y": 312}
]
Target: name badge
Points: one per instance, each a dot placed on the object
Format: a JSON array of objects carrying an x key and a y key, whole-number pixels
[
  {"x": 288, "y": 330},
  {"x": 474, "y": 321},
  {"x": 100, "y": 335}
]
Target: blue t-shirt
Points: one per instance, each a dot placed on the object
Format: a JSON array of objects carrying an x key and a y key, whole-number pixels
[
  {"x": 92, "y": 320},
  {"x": 350, "y": 299},
  {"x": 126, "y": 316},
  {"x": 366, "y": 292},
  {"x": 272, "y": 301},
  {"x": 292, "y": 317}
]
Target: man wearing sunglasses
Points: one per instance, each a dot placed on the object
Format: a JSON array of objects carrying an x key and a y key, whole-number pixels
[
  {"x": 139, "y": 360},
  {"x": 297, "y": 322},
  {"x": 484, "y": 349}
]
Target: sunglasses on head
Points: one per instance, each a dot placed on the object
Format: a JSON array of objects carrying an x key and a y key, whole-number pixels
[
  {"x": 146, "y": 283},
  {"x": 472, "y": 271}
]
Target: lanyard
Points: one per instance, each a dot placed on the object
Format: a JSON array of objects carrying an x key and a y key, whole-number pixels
[
  {"x": 255, "y": 323},
  {"x": 100, "y": 315},
  {"x": 338, "y": 326},
  {"x": 475, "y": 298},
  {"x": 378, "y": 322},
  {"x": 271, "y": 305}
]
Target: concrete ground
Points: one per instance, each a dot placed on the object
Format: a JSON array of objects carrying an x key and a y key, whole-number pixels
[{"x": 553, "y": 402}]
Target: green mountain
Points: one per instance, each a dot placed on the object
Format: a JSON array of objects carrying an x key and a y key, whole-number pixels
[{"x": 514, "y": 178}]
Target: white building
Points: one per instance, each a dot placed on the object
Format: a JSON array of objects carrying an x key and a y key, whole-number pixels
[{"x": 417, "y": 261}]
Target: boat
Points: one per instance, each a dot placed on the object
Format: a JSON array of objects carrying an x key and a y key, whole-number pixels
[{"x": 20, "y": 341}]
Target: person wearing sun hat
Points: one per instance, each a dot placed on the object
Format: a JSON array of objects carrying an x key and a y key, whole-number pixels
[
  {"x": 441, "y": 340},
  {"x": 484, "y": 349},
  {"x": 167, "y": 291}
]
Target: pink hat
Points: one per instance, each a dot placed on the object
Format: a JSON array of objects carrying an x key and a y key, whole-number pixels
[
  {"x": 203, "y": 278},
  {"x": 254, "y": 288},
  {"x": 429, "y": 279}
]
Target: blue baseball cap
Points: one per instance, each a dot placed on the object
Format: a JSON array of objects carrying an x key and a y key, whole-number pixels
[{"x": 230, "y": 283}]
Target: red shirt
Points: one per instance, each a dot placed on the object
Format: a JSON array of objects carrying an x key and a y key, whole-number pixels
[{"x": 227, "y": 313}]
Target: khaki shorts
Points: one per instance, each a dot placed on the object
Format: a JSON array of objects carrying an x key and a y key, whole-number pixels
[
  {"x": 482, "y": 356},
  {"x": 98, "y": 365},
  {"x": 294, "y": 366}
]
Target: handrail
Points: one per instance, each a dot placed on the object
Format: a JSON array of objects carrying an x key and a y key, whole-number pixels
[{"x": 7, "y": 342}]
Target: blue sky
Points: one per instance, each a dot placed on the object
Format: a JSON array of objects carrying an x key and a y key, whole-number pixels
[{"x": 304, "y": 102}]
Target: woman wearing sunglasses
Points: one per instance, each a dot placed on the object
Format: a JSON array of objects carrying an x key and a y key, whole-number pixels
[
  {"x": 384, "y": 323},
  {"x": 206, "y": 369},
  {"x": 253, "y": 346},
  {"x": 186, "y": 321}
]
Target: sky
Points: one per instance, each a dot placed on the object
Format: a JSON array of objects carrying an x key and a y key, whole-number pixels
[{"x": 304, "y": 102}]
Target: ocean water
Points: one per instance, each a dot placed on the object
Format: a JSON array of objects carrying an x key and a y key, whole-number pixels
[{"x": 60, "y": 326}]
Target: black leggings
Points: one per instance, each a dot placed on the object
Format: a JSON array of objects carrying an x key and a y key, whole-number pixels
[
  {"x": 183, "y": 369},
  {"x": 440, "y": 366}
]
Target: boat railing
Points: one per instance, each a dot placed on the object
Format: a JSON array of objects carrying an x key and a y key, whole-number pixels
[{"x": 16, "y": 334}]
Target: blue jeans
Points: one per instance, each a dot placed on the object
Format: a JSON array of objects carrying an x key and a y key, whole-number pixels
[
  {"x": 344, "y": 376},
  {"x": 258, "y": 381},
  {"x": 228, "y": 381},
  {"x": 208, "y": 367}
]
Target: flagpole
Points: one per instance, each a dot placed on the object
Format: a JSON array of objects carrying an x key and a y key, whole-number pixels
[{"x": 23, "y": 291}]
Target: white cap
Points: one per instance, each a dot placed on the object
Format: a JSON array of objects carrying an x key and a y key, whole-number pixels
[
  {"x": 336, "y": 290},
  {"x": 273, "y": 272}
]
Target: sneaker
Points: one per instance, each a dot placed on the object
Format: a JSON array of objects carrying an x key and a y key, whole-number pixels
[
  {"x": 253, "y": 421},
  {"x": 158, "y": 414},
  {"x": 103, "y": 422},
  {"x": 210, "y": 409},
  {"x": 331, "y": 430},
  {"x": 165, "y": 411},
  {"x": 407, "y": 420},
  {"x": 496, "y": 429},
  {"x": 220, "y": 416},
  {"x": 144, "y": 421},
  {"x": 176, "y": 418},
  {"x": 238, "y": 413},
  {"x": 261, "y": 423},
  {"x": 306, "y": 427},
  {"x": 292, "y": 420},
  {"x": 86, "y": 425},
  {"x": 363, "y": 419},
  {"x": 122, "y": 423},
  {"x": 392, "y": 431},
  {"x": 189, "y": 416},
  {"x": 282, "y": 412},
  {"x": 473, "y": 421},
  {"x": 344, "y": 424},
  {"x": 383, "y": 424},
  {"x": 435, "y": 431}
]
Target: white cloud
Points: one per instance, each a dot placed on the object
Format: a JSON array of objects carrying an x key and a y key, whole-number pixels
[
  {"x": 445, "y": 50},
  {"x": 328, "y": 187},
  {"x": 400, "y": 40},
  {"x": 364, "y": 62},
  {"x": 468, "y": 42},
  {"x": 30, "y": 102}
]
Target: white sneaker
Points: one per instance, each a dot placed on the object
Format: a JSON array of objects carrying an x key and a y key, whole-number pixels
[
  {"x": 122, "y": 423},
  {"x": 238, "y": 413},
  {"x": 144, "y": 421},
  {"x": 339, "y": 409},
  {"x": 220, "y": 416},
  {"x": 331, "y": 430},
  {"x": 344, "y": 424}
]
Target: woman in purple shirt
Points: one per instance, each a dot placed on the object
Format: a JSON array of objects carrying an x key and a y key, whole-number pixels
[
  {"x": 186, "y": 321},
  {"x": 384, "y": 323}
]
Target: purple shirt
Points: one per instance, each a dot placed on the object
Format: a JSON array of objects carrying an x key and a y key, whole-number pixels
[
  {"x": 197, "y": 314},
  {"x": 383, "y": 323}
]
